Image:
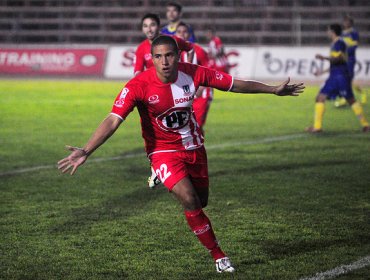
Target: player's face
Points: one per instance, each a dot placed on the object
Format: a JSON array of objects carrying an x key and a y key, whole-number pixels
[
  {"x": 165, "y": 60},
  {"x": 347, "y": 24},
  {"x": 331, "y": 34},
  {"x": 150, "y": 28},
  {"x": 172, "y": 14},
  {"x": 182, "y": 32}
]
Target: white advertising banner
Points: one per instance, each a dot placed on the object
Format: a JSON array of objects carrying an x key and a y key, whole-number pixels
[
  {"x": 119, "y": 63},
  {"x": 282, "y": 62},
  {"x": 300, "y": 63},
  {"x": 265, "y": 63},
  {"x": 242, "y": 61},
  {"x": 120, "y": 60}
]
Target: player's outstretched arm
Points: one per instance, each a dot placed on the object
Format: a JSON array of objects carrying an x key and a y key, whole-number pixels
[
  {"x": 78, "y": 156},
  {"x": 284, "y": 89}
]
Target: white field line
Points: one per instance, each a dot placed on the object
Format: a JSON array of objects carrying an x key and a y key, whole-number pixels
[
  {"x": 211, "y": 147},
  {"x": 340, "y": 270}
]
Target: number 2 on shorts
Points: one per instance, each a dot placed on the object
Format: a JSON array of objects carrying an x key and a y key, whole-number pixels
[{"x": 162, "y": 172}]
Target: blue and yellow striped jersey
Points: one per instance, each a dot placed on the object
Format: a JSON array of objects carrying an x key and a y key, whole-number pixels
[
  {"x": 351, "y": 38},
  {"x": 337, "y": 49}
]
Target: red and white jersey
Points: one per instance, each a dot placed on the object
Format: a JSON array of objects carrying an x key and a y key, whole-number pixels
[
  {"x": 167, "y": 120},
  {"x": 217, "y": 58},
  {"x": 215, "y": 46},
  {"x": 143, "y": 54},
  {"x": 200, "y": 56}
]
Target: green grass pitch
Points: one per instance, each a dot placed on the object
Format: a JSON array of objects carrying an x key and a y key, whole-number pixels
[{"x": 284, "y": 204}]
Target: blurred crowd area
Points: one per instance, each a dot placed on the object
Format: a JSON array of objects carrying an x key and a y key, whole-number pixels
[{"x": 237, "y": 22}]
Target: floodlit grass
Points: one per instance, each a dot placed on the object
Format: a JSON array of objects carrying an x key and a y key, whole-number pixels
[{"x": 282, "y": 208}]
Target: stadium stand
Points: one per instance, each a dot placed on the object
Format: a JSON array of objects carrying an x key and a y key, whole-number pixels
[{"x": 267, "y": 22}]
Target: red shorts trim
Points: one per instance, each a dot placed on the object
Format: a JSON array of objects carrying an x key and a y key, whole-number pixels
[{"x": 172, "y": 167}]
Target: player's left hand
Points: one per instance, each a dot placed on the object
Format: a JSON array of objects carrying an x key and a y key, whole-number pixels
[
  {"x": 74, "y": 160},
  {"x": 289, "y": 90}
]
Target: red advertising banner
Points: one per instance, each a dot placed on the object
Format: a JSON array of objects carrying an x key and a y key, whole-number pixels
[{"x": 52, "y": 61}]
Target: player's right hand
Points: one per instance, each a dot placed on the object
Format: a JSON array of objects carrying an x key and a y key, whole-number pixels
[{"x": 73, "y": 161}]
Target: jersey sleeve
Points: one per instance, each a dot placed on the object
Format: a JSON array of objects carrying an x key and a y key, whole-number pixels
[
  {"x": 183, "y": 45},
  {"x": 139, "y": 60},
  {"x": 126, "y": 100},
  {"x": 338, "y": 49},
  {"x": 203, "y": 59},
  {"x": 356, "y": 36},
  {"x": 211, "y": 78}
]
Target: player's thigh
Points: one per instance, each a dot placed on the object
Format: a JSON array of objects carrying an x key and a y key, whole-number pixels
[
  {"x": 345, "y": 89},
  {"x": 328, "y": 91},
  {"x": 198, "y": 172},
  {"x": 197, "y": 167},
  {"x": 169, "y": 167}
]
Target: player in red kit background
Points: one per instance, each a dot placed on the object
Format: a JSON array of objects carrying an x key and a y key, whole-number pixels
[
  {"x": 163, "y": 96},
  {"x": 150, "y": 27},
  {"x": 204, "y": 95},
  {"x": 216, "y": 52}
]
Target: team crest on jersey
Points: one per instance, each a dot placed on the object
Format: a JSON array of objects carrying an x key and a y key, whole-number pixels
[
  {"x": 148, "y": 56},
  {"x": 174, "y": 118},
  {"x": 186, "y": 89}
]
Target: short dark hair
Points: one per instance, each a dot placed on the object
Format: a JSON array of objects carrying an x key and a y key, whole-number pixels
[
  {"x": 176, "y": 5},
  {"x": 165, "y": 40},
  {"x": 336, "y": 28},
  {"x": 155, "y": 17},
  {"x": 181, "y": 23}
]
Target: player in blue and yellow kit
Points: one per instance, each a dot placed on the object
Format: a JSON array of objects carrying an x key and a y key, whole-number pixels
[
  {"x": 173, "y": 14},
  {"x": 351, "y": 37},
  {"x": 338, "y": 83}
]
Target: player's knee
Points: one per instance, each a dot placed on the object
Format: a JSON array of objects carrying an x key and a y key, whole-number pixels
[
  {"x": 191, "y": 201},
  {"x": 204, "y": 203},
  {"x": 320, "y": 98}
]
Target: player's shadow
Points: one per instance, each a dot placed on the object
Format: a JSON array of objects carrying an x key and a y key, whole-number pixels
[
  {"x": 126, "y": 204},
  {"x": 118, "y": 208},
  {"x": 278, "y": 249}
]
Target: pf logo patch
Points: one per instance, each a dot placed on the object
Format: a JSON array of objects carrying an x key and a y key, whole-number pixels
[{"x": 174, "y": 118}]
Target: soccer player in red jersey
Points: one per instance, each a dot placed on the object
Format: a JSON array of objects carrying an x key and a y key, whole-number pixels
[
  {"x": 163, "y": 96},
  {"x": 143, "y": 60},
  {"x": 150, "y": 27},
  {"x": 204, "y": 95},
  {"x": 218, "y": 59}
]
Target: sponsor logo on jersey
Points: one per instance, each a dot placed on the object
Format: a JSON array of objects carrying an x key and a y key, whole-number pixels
[
  {"x": 148, "y": 56},
  {"x": 183, "y": 99},
  {"x": 219, "y": 76},
  {"x": 124, "y": 92},
  {"x": 153, "y": 99},
  {"x": 174, "y": 118},
  {"x": 119, "y": 103}
]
